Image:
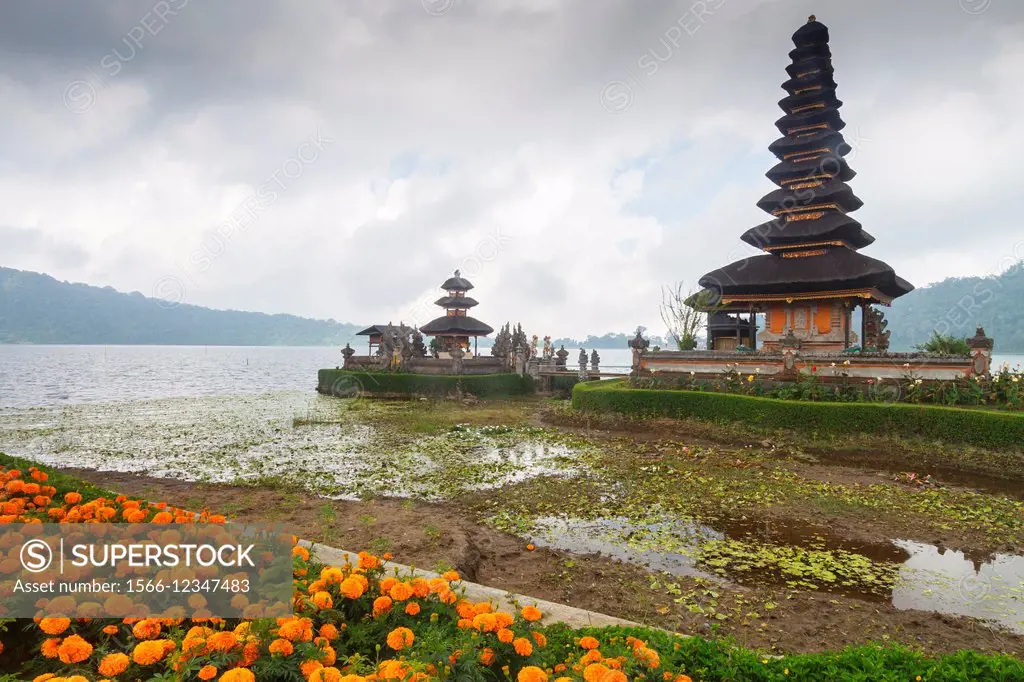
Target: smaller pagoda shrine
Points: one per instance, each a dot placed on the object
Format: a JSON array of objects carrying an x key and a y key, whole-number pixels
[{"x": 456, "y": 327}]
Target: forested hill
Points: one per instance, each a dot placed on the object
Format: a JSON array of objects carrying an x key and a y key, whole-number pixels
[
  {"x": 957, "y": 305},
  {"x": 36, "y": 308}
]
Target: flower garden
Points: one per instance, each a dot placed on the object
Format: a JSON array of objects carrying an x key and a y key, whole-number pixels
[
  {"x": 359, "y": 622},
  {"x": 1003, "y": 389}
]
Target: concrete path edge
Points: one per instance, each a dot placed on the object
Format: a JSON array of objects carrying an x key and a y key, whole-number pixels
[{"x": 502, "y": 600}]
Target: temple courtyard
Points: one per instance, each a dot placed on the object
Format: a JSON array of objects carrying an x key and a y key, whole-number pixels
[{"x": 781, "y": 541}]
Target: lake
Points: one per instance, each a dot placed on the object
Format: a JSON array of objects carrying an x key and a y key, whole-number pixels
[{"x": 38, "y": 376}]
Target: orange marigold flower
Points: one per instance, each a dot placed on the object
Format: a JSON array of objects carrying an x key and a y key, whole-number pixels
[
  {"x": 49, "y": 647},
  {"x": 451, "y": 576},
  {"x": 400, "y": 638},
  {"x": 149, "y": 652},
  {"x": 74, "y": 649},
  {"x": 392, "y": 670},
  {"x": 487, "y": 656},
  {"x": 541, "y": 640},
  {"x": 400, "y": 591},
  {"x": 486, "y": 622},
  {"x": 296, "y": 629},
  {"x": 522, "y": 646},
  {"x": 367, "y": 560},
  {"x": 532, "y": 673},
  {"x": 110, "y": 629},
  {"x": 412, "y": 608},
  {"x": 238, "y": 675},
  {"x": 684, "y": 678},
  {"x": 589, "y": 642},
  {"x": 54, "y": 626},
  {"x": 222, "y": 641},
  {"x": 113, "y": 664},
  {"x": 147, "y": 628},
  {"x": 504, "y": 619},
  {"x": 351, "y": 588},
  {"x": 323, "y": 600},
  {"x": 281, "y": 646},
  {"x": 531, "y": 613},
  {"x": 325, "y": 675},
  {"x": 592, "y": 656},
  {"x": 73, "y": 498},
  {"x": 381, "y": 605},
  {"x": 505, "y": 636},
  {"x": 465, "y": 610},
  {"x": 594, "y": 672},
  {"x": 614, "y": 676},
  {"x": 301, "y": 552},
  {"x": 307, "y": 668},
  {"x": 329, "y": 632},
  {"x": 207, "y": 672},
  {"x": 420, "y": 587},
  {"x": 649, "y": 656}
]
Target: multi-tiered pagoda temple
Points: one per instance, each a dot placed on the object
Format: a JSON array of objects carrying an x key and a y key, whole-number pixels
[
  {"x": 812, "y": 276},
  {"x": 456, "y": 327}
]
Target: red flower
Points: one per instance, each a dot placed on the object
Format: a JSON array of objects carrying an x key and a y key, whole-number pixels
[{"x": 814, "y": 368}]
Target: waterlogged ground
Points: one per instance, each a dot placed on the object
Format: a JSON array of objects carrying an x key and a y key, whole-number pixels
[
  {"x": 330, "y": 447},
  {"x": 753, "y": 540}
]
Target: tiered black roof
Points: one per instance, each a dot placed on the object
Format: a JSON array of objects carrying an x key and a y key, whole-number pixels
[
  {"x": 812, "y": 241},
  {"x": 455, "y": 322}
]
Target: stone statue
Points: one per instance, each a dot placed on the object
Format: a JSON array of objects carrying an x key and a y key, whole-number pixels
[
  {"x": 419, "y": 349},
  {"x": 560, "y": 357},
  {"x": 520, "y": 352},
  {"x": 347, "y": 352},
  {"x": 639, "y": 345},
  {"x": 519, "y": 338},
  {"x": 876, "y": 335},
  {"x": 549, "y": 351},
  {"x": 595, "y": 359},
  {"x": 502, "y": 347},
  {"x": 457, "y": 354},
  {"x": 533, "y": 346},
  {"x": 387, "y": 346},
  {"x": 583, "y": 359}
]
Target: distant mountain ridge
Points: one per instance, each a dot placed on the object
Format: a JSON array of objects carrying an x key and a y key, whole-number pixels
[
  {"x": 36, "y": 308},
  {"x": 957, "y": 305}
]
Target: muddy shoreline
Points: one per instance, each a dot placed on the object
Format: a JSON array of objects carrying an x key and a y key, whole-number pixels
[{"x": 444, "y": 535}]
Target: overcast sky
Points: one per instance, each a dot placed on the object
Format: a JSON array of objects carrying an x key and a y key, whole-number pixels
[{"x": 340, "y": 159}]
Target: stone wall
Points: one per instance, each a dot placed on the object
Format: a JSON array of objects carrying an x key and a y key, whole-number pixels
[
  {"x": 478, "y": 365},
  {"x": 787, "y": 365}
]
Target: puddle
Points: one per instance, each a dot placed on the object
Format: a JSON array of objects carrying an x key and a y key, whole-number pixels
[
  {"x": 933, "y": 579},
  {"x": 910, "y": 575},
  {"x": 610, "y": 537}
]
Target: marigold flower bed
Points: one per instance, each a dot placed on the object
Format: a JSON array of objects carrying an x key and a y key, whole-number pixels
[{"x": 356, "y": 622}]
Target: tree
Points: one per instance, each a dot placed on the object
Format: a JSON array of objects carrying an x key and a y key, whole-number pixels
[
  {"x": 684, "y": 321},
  {"x": 944, "y": 344}
]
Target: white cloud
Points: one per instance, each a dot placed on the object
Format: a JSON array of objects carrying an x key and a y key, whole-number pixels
[{"x": 495, "y": 111}]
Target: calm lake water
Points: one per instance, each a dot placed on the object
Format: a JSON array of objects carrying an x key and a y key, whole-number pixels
[{"x": 38, "y": 376}]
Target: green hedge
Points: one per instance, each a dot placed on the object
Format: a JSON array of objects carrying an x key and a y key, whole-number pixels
[
  {"x": 64, "y": 483},
  {"x": 986, "y": 428},
  {"x": 346, "y": 383},
  {"x": 723, "y": 661}
]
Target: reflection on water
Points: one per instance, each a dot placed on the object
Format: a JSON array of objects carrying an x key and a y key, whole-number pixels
[
  {"x": 609, "y": 537},
  {"x": 943, "y": 580},
  {"x": 929, "y": 578}
]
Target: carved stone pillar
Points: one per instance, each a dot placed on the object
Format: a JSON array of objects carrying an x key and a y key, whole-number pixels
[{"x": 981, "y": 352}]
